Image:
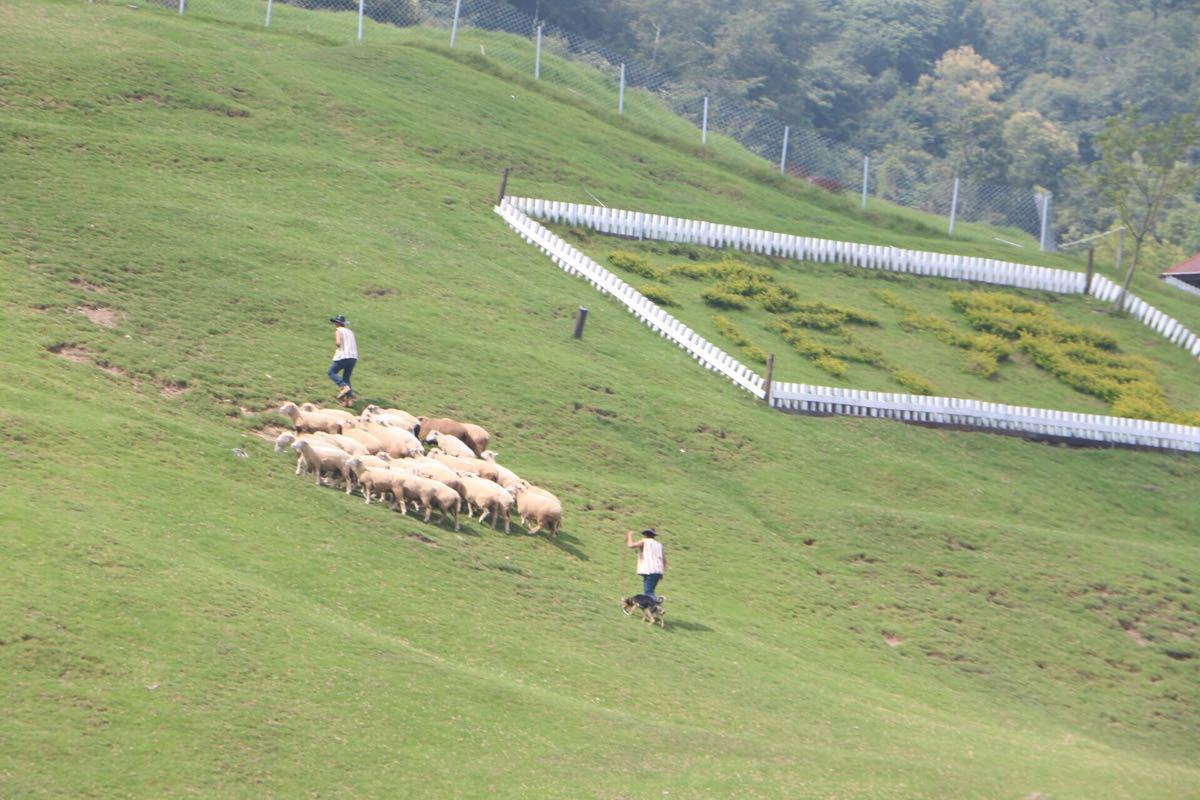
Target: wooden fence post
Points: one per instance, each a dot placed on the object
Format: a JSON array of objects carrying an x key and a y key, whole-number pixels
[
  {"x": 503, "y": 185},
  {"x": 580, "y": 319},
  {"x": 770, "y": 376},
  {"x": 1087, "y": 286}
]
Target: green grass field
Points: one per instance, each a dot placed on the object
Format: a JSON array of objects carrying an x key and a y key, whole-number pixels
[{"x": 856, "y": 609}]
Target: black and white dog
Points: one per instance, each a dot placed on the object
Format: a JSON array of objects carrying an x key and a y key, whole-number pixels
[{"x": 652, "y": 608}]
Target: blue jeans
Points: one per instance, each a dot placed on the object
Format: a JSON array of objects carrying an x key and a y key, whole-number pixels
[
  {"x": 344, "y": 366},
  {"x": 649, "y": 582}
]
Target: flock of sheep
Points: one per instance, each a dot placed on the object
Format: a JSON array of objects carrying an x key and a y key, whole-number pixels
[{"x": 381, "y": 454}]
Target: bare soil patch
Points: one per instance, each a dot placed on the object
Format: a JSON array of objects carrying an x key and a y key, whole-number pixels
[
  {"x": 71, "y": 353},
  {"x": 269, "y": 432},
  {"x": 88, "y": 286},
  {"x": 1135, "y": 634},
  {"x": 892, "y": 639},
  {"x": 173, "y": 389},
  {"x": 105, "y": 317}
]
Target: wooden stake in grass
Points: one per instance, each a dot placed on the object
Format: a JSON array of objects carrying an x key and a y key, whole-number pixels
[
  {"x": 770, "y": 375},
  {"x": 580, "y": 318},
  {"x": 503, "y": 185},
  {"x": 1087, "y": 285}
]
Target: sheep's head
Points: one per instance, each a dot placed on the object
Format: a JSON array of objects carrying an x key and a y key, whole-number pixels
[
  {"x": 308, "y": 407},
  {"x": 298, "y": 446},
  {"x": 283, "y": 441},
  {"x": 372, "y": 409},
  {"x": 349, "y": 422},
  {"x": 289, "y": 409},
  {"x": 489, "y": 455},
  {"x": 434, "y": 436}
]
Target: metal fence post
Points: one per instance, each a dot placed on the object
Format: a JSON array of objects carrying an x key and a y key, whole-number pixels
[
  {"x": 953, "y": 207},
  {"x": 537, "y": 63},
  {"x": 621, "y": 95},
  {"x": 360, "y": 16},
  {"x": 454, "y": 25},
  {"x": 783, "y": 156},
  {"x": 1045, "y": 219},
  {"x": 866, "y": 173},
  {"x": 267, "y": 24},
  {"x": 181, "y": 5},
  {"x": 703, "y": 128}
]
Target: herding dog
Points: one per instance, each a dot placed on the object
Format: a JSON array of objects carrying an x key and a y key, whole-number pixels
[{"x": 652, "y": 608}]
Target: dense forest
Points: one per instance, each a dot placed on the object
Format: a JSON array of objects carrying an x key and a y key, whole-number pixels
[{"x": 1000, "y": 91}]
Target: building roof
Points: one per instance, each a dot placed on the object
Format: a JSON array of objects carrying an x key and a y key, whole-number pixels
[{"x": 1189, "y": 267}]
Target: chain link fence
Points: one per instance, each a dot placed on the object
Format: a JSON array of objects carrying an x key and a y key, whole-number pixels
[{"x": 517, "y": 40}]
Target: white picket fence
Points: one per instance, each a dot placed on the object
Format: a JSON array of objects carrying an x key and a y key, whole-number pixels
[
  {"x": 806, "y": 399},
  {"x": 640, "y": 225}
]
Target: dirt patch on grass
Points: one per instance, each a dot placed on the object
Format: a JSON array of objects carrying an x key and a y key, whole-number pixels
[
  {"x": 423, "y": 539},
  {"x": 270, "y": 432},
  {"x": 1134, "y": 633},
  {"x": 173, "y": 389},
  {"x": 104, "y": 317},
  {"x": 87, "y": 285},
  {"x": 892, "y": 639},
  {"x": 71, "y": 353},
  {"x": 378, "y": 291}
]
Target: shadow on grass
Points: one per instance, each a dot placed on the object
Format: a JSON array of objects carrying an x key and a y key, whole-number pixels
[
  {"x": 677, "y": 624},
  {"x": 568, "y": 544}
]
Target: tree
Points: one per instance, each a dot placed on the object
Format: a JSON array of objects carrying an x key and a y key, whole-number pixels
[{"x": 1141, "y": 168}]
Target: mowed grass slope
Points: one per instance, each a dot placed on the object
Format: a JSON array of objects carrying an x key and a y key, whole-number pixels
[{"x": 856, "y": 609}]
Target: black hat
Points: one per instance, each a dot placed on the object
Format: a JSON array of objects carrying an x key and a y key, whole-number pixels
[
  {"x": 338, "y": 320},
  {"x": 649, "y": 532}
]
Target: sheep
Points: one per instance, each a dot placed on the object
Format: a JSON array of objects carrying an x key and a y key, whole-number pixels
[
  {"x": 368, "y": 440},
  {"x": 340, "y": 413},
  {"x": 372, "y": 479},
  {"x": 540, "y": 506},
  {"x": 479, "y": 436},
  {"x": 450, "y": 445},
  {"x": 505, "y": 476},
  {"x": 485, "y": 469},
  {"x": 361, "y": 462},
  {"x": 429, "y": 494},
  {"x": 430, "y": 468},
  {"x": 321, "y": 459},
  {"x": 489, "y": 498},
  {"x": 428, "y": 425},
  {"x": 310, "y": 421},
  {"x": 396, "y": 442},
  {"x": 394, "y": 417}
]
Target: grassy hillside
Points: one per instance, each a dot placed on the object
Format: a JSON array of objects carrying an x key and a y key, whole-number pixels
[{"x": 856, "y": 609}]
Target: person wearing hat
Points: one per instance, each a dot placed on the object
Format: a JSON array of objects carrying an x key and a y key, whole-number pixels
[
  {"x": 651, "y": 562},
  {"x": 344, "y": 358}
]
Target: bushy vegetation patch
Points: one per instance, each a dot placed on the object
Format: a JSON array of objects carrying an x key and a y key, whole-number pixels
[
  {"x": 984, "y": 351},
  {"x": 636, "y": 263},
  {"x": 1084, "y": 358},
  {"x": 658, "y": 294},
  {"x": 913, "y": 382},
  {"x": 731, "y": 332},
  {"x": 691, "y": 271}
]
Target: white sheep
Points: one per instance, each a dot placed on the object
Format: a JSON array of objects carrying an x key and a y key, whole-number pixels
[
  {"x": 541, "y": 506},
  {"x": 488, "y": 497},
  {"x": 485, "y": 469},
  {"x": 392, "y": 417},
  {"x": 504, "y": 476},
  {"x": 353, "y": 428},
  {"x": 396, "y": 442},
  {"x": 323, "y": 460},
  {"x": 451, "y": 445},
  {"x": 310, "y": 421},
  {"x": 340, "y": 413},
  {"x": 430, "y": 494}
]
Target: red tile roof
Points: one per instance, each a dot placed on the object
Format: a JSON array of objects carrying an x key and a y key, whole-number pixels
[{"x": 1189, "y": 267}]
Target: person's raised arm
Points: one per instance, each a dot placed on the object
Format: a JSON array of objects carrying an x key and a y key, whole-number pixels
[{"x": 629, "y": 542}]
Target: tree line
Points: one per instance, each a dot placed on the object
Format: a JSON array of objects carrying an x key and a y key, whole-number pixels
[{"x": 996, "y": 91}]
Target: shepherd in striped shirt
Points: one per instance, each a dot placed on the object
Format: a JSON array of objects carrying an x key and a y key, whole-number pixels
[
  {"x": 651, "y": 563},
  {"x": 344, "y": 358}
]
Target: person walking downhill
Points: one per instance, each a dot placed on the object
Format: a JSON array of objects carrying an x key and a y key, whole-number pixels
[
  {"x": 651, "y": 562},
  {"x": 344, "y": 359}
]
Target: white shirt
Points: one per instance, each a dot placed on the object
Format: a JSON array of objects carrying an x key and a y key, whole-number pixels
[
  {"x": 348, "y": 348},
  {"x": 650, "y": 558}
]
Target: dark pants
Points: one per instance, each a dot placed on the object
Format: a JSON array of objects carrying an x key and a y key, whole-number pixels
[
  {"x": 344, "y": 366},
  {"x": 649, "y": 582}
]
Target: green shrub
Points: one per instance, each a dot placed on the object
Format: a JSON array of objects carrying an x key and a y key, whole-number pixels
[
  {"x": 635, "y": 263},
  {"x": 913, "y": 382},
  {"x": 730, "y": 331},
  {"x": 716, "y": 297},
  {"x": 779, "y": 300},
  {"x": 692, "y": 272},
  {"x": 825, "y": 317},
  {"x": 658, "y": 294},
  {"x": 834, "y": 366},
  {"x": 755, "y": 354}
]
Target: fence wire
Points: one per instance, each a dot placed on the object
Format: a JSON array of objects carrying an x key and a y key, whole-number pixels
[{"x": 912, "y": 181}]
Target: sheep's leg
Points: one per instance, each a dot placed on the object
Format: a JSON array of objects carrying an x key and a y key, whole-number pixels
[
  {"x": 482, "y": 515},
  {"x": 366, "y": 487},
  {"x": 456, "y": 516},
  {"x": 537, "y": 528},
  {"x": 428, "y": 511},
  {"x": 492, "y": 511},
  {"x": 506, "y": 522},
  {"x": 299, "y": 463}
]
